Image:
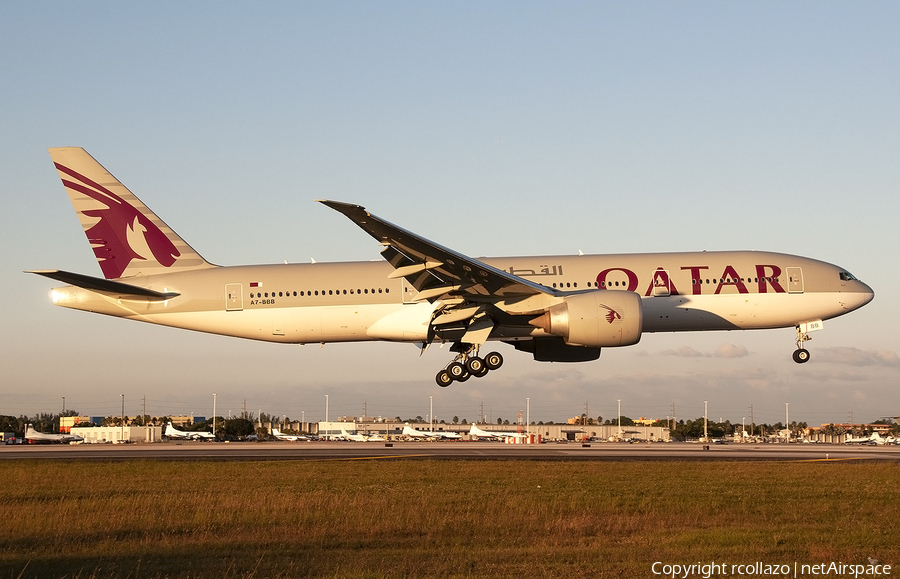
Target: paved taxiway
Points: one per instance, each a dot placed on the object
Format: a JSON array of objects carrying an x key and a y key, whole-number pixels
[{"x": 449, "y": 451}]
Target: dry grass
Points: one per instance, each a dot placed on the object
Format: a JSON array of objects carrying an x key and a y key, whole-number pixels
[{"x": 148, "y": 519}]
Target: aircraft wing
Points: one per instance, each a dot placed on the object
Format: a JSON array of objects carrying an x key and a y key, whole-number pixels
[{"x": 434, "y": 270}]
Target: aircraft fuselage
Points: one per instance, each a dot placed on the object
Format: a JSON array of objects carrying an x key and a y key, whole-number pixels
[{"x": 357, "y": 301}]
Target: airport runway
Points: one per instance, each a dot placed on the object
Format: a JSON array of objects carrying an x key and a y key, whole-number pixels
[{"x": 603, "y": 451}]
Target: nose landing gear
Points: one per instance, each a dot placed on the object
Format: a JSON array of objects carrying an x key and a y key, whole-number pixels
[
  {"x": 466, "y": 365},
  {"x": 801, "y": 354}
]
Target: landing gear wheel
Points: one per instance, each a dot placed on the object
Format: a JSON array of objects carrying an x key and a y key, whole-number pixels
[
  {"x": 483, "y": 372},
  {"x": 493, "y": 360},
  {"x": 801, "y": 356},
  {"x": 464, "y": 377},
  {"x": 456, "y": 370},
  {"x": 443, "y": 379},
  {"x": 475, "y": 365}
]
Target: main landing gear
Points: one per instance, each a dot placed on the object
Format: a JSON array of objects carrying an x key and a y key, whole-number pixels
[
  {"x": 466, "y": 365},
  {"x": 801, "y": 354}
]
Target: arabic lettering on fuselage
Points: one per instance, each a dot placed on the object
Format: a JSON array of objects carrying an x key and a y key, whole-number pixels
[
  {"x": 767, "y": 279},
  {"x": 545, "y": 270}
]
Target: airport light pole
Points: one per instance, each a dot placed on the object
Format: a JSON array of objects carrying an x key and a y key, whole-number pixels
[
  {"x": 705, "y": 413},
  {"x": 123, "y": 418},
  {"x": 214, "y": 414},
  {"x": 326, "y": 408},
  {"x": 705, "y": 437},
  {"x": 787, "y": 420},
  {"x": 528, "y": 416},
  {"x": 431, "y": 412},
  {"x": 619, "y": 434}
]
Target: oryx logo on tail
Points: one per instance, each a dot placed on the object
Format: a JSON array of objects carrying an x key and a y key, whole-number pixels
[{"x": 121, "y": 232}]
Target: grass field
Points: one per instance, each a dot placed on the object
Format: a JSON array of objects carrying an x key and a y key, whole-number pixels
[{"x": 417, "y": 518}]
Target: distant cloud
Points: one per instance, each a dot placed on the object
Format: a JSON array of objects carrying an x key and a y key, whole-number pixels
[
  {"x": 684, "y": 352},
  {"x": 731, "y": 351},
  {"x": 857, "y": 357},
  {"x": 723, "y": 351}
]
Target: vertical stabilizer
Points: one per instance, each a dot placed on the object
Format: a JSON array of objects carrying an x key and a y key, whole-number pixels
[{"x": 127, "y": 238}]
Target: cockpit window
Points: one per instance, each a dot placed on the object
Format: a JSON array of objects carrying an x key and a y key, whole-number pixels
[{"x": 845, "y": 276}]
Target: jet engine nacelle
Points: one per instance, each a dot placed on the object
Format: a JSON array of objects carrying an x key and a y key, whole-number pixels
[{"x": 595, "y": 319}]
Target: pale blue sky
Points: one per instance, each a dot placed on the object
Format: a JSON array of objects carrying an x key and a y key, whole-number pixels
[{"x": 494, "y": 128}]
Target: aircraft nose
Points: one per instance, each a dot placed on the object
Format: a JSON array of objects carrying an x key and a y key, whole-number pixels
[{"x": 859, "y": 297}]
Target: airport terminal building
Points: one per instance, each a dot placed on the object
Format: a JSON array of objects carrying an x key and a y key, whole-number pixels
[{"x": 547, "y": 432}]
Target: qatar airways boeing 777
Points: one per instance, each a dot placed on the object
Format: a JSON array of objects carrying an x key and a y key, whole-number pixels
[{"x": 556, "y": 308}]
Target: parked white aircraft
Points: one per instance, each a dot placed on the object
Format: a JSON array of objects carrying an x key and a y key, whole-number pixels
[
  {"x": 34, "y": 436},
  {"x": 476, "y": 432},
  {"x": 873, "y": 438},
  {"x": 289, "y": 437},
  {"x": 409, "y": 431},
  {"x": 358, "y": 437},
  {"x": 556, "y": 308},
  {"x": 172, "y": 432}
]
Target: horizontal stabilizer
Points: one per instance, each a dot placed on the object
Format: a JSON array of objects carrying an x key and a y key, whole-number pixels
[{"x": 119, "y": 289}]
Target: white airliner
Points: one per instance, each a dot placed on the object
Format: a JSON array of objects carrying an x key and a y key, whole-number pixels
[
  {"x": 555, "y": 308},
  {"x": 409, "y": 431},
  {"x": 172, "y": 432},
  {"x": 873, "y": 439},
  {"x": 36, "y": 437},
  {"x": 476, "y": 432},
  {"x": 359, "y": 437},
  {"x": 289, "y": 437}
]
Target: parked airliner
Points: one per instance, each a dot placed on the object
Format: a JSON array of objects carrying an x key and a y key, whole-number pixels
[
  {"x": 556, "y": 308},
  {"x": 414, "y": 433},
  {"x": 35, "y": 437},
  {"x": 172, "y": 432},
  {"x": 476, "y": 432},
  {"x": 289, "y": 437}
]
